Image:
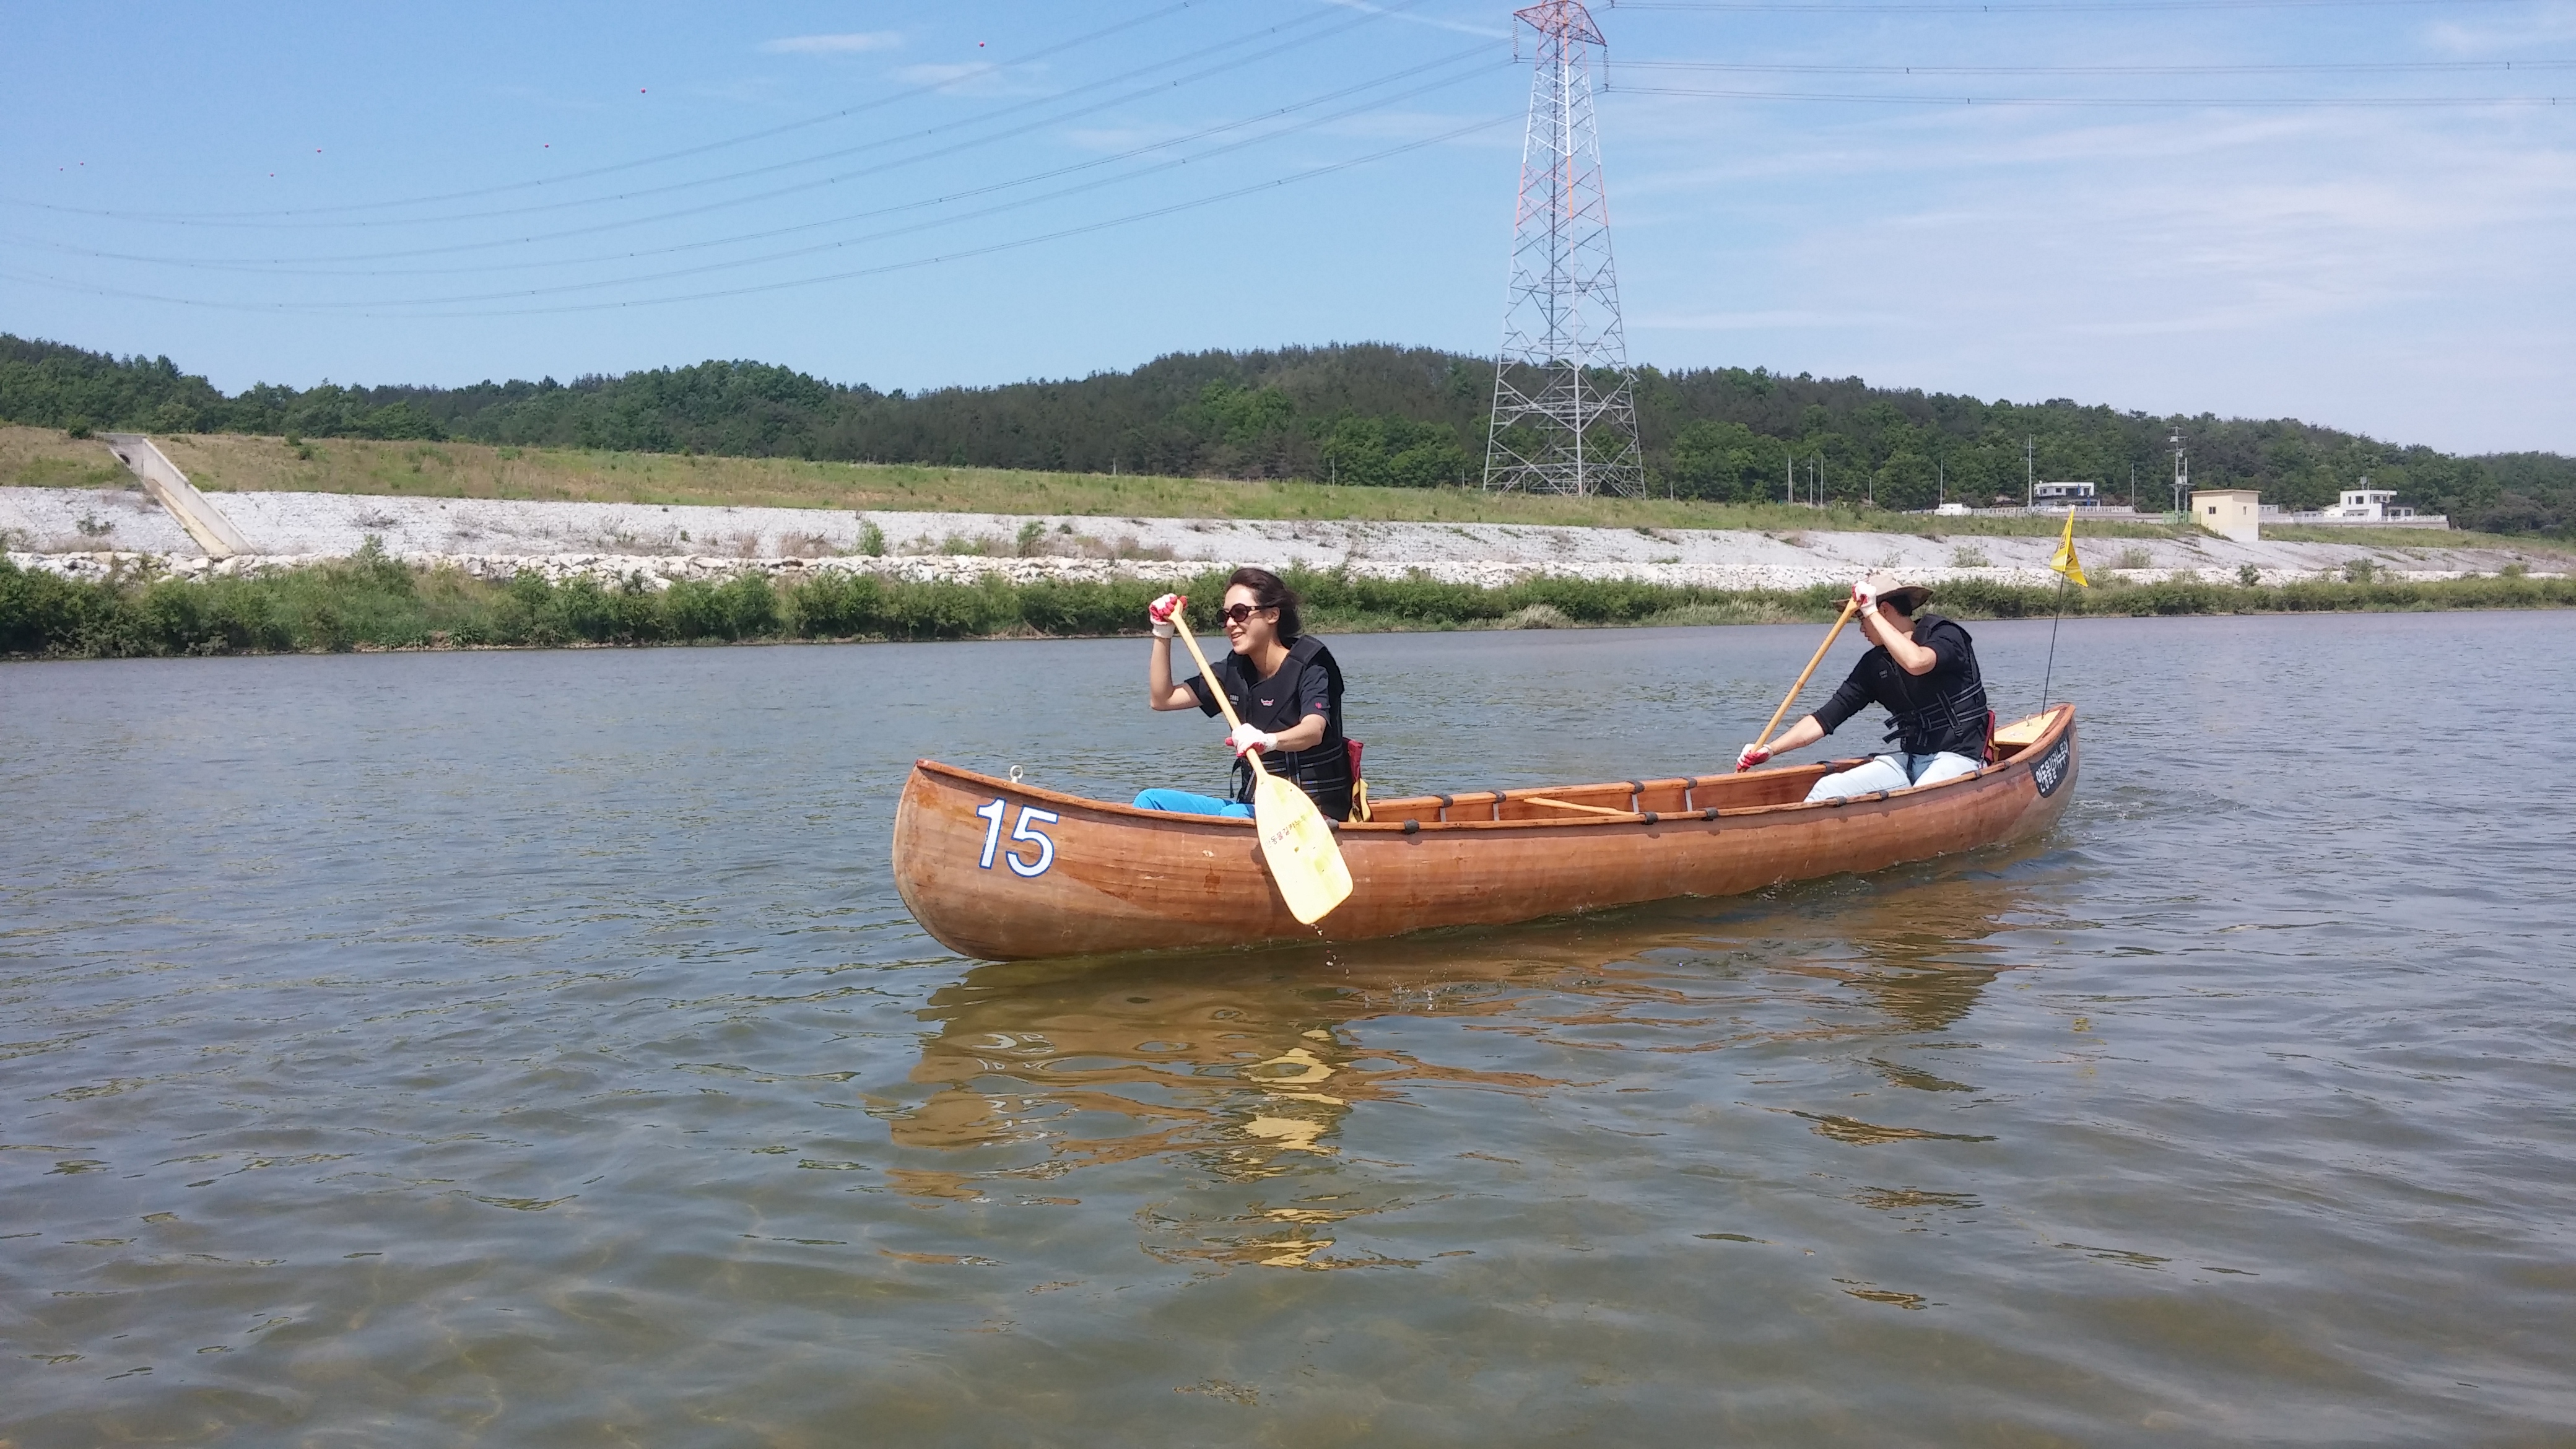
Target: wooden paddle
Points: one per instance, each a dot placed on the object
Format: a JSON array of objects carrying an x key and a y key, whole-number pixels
[
  {"x": 1304, "y": 858},
  {"x": 1764, "y": 738}
]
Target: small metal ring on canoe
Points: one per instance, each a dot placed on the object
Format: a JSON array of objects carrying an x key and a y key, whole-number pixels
[
  {"x": 1411, "y": 826},
  {"x": 1708, "y": 812},
  {"x": 1651, "y": 817}
]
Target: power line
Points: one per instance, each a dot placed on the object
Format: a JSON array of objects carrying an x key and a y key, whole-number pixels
[
  {"x": 2104, "y": 102},
  {"x": 2323, "y": 68},
  {"x": 302, "y": 265},
  {"x": 610, "y": 170},
  {"x": 290, "y": 268},
  {"x": 675, "y": 273},
  {"x": 2063, "y": 7},
  {"x": 1310, "y": 174},
  {"x": 1203, "y": 52}
]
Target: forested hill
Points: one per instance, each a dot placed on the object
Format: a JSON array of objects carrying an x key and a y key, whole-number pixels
[{"x": 1361, "y": 414}]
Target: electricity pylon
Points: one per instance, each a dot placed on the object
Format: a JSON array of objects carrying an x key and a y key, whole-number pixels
[{"x": 1565, "y": 403}]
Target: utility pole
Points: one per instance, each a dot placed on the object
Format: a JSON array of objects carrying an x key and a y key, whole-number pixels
[
  {"x": 2182, "y": 472},
  {"x": 1561, "y": 378},
  {"x": 2029, "y": 471},
  {"x": 1940, "y": 482}
]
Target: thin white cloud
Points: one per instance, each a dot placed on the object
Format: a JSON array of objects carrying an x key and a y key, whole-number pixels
[
  {"x": 2394, "y": 271},
  {"x": 1410, "y": 125},
  {"x": 1762, "y": 321},
  {"x": 1123, "y": 138},
  {"x": 972, "y": 78},
  {"x": 848, "y": 43},
  {"x": 1435, "y": 22},
  {"x": 2542, "y": 25}
]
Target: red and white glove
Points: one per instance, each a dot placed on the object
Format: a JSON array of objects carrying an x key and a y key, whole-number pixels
[
  {"x": 1752, "y": 756},
  {"x": 1245, "y": 737},
  {"x": 1864, "y": 597},
  {"x": 1160, "y": 613}
]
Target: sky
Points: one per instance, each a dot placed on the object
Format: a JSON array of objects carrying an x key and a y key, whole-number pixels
[{"x": 2347, "y": 211}]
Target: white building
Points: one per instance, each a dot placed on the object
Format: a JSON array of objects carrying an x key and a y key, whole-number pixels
[
  {"x": 2364, "y": 505},
  {"x": 2061, "y": 495},
  {"x": 2368, "y": 504}
]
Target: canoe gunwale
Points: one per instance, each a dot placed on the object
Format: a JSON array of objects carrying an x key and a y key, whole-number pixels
[{"x": 2061, "y": 715}]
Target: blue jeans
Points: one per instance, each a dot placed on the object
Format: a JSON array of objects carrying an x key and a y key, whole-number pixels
[
  {"x": 1185, "y": 803},
  {"x": 1892, "y": 772}
]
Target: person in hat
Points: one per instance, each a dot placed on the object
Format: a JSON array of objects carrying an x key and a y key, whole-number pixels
[{"x": 1922, "y": 669}]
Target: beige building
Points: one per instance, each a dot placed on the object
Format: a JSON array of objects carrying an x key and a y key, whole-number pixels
[{"x": 2231, "y": 513}]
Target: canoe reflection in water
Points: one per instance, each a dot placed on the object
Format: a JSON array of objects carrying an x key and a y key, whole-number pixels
[{"x": 1260, "y": 1068}]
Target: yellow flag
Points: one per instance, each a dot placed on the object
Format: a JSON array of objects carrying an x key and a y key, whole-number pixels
[{"x": 2064, "y": 559}]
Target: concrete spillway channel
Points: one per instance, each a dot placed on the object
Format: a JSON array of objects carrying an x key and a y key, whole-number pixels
[{"x": 171, "y": 489}]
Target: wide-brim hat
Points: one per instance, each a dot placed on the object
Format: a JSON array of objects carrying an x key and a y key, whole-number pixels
[{"x": 1905, "y": 597}]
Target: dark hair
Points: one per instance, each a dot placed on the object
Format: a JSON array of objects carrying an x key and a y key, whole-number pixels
[{"x": 1269, "y": 591}]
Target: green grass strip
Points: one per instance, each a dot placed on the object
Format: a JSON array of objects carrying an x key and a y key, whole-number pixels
[{"x": 371, "y": 601}]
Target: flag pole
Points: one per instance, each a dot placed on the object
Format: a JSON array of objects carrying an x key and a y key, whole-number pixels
[
  {"x": 2051, "y": 670},
  {"x": 2066, "y": 566}
]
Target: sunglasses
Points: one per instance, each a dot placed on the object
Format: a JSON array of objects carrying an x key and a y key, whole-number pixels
[{"x": 1240, "y": 612}]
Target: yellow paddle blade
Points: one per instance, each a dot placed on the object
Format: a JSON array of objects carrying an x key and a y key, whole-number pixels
[{"x": 1304, "y": 858}]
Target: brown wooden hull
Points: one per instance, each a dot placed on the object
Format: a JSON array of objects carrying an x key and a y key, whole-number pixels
[{"x": 1005, "y": 871}]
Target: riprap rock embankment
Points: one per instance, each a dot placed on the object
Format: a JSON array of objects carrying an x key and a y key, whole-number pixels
[{"x": 82, "y": 532}]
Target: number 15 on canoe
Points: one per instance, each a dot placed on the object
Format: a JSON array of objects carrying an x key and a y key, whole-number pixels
[{"x": 992, "y": 812}]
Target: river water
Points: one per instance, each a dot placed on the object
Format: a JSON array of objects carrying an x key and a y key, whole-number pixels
[{"x": 530, "y": 1048}]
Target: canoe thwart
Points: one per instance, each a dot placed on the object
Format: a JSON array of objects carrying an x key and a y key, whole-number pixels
[{"x": 1556, "y": 804}]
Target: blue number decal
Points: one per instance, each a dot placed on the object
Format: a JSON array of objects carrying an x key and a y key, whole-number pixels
[
  {"x": 1020, "y": 831},
  {"x": 992, "y": 832}
]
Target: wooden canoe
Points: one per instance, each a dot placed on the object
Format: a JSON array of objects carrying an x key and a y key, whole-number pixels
[{"x": 1007, "y": 871}]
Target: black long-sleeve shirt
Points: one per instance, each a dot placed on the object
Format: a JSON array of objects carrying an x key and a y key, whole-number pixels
[{"x": 1941, "y": 709}]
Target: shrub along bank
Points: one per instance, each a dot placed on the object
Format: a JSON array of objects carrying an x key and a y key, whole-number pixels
[{"x": 374, "y": 601}]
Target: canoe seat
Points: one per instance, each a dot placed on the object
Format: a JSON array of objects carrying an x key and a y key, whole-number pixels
[{"x": 2012, "y": 739}]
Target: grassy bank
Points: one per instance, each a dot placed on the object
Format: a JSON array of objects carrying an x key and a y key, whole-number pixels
[
  {"x": 374, "y": 602},
  {"x": 220, "y": 462}
]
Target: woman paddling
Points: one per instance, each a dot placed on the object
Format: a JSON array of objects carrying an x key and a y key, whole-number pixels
[{"x": 1283, "y": 685}]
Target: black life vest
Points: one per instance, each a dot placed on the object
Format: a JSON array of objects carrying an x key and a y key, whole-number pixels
[
  {"x": 1941, "y": 711},
  {"x": 1322, "y": 770}
]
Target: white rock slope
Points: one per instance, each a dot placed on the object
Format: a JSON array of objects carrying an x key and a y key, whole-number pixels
[{"x": 78, "y": 532}]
